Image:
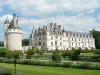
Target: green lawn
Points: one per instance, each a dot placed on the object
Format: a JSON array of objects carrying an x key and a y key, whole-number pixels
[{"x": 43, "y": 70}]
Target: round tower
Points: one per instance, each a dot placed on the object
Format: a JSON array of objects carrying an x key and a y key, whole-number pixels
[{"x": 14, "y": 35}]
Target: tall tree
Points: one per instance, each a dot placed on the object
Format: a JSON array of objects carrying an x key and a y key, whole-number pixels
[
  {"x": 30, "y": 52},
  {"x": 96, "y": 35},
  {"x": 3, "y": 52},
  {"x": 15, "y": 55},
  {"x": 1, "y": 43},
  {"x": 25, "y": 42}
]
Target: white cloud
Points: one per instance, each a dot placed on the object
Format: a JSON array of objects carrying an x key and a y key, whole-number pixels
[
  {"x": 73, "y": 23},
  {"x": 46, "y": 7},
  {"x": 43, "y": 8},
  {"x": 90, "y": 11}
]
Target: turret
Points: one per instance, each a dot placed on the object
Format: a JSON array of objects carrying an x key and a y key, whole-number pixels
[
  {"x": 6, "y": 24},
  {"x": 14, "y": 35}
]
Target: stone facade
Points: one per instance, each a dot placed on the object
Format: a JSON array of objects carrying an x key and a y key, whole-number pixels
[
  {"x": 53, "y": 37},
  {"x": 13, "y": 34}
]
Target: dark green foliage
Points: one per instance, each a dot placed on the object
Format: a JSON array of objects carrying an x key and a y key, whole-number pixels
[
  {"x": 76, "y": 54},
  {"x": 29, "y": 53},
  {"x": 56, "y": 57},
  {"x": 97, "y": 52},
  {"x": 96, "y": 35},
  {"x": 5, "y": 71},
  {"x": 1, "y": 43},
  {"x": 82, "y": 65},
  {"x": 40, "y": 52},
  {"x": 67, "y": 64},
  {"x": 72, "y": 54},
  {"x": 3, "y": 52},
  {"x": 56, "y": 64},
  {"x": 14, "y": 55},
  {"x": 25, "y": 42},
  {"x": 1, "y": 59}
]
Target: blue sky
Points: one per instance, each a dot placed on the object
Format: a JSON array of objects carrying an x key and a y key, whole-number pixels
[{"x": 73, "y": 15}]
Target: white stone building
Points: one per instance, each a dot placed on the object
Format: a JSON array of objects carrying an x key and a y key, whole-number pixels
[
  {"x": 13, "y": 34},
  {"x": 53, "y": 37}
]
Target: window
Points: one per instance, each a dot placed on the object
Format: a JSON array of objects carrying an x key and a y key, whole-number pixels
[
  {"x": 43, "y": 43},
  {"x": 51, "y": 37},
  {"x": 60, "y": 38},
  {"x": 39, "y": 38},
  {"x": 43, "y": 38},
  {"x": 79, "y": 44},
  {"x": 66, "y": 34},
  {"x": 39, "y": 43},
  {"x": 35, "y": 44},
  {"x": 56, "y": 37},
  {"x": 55, "y": 42},
  {"x": 60, "y": 43},
  {"x": 35, "y": 39},
  {"x": 76, "y": 44},
  {"x": 74, "y": 35},
  {"x": 51, "y": 43},
  {"x": 75, "y": 39},
  {"x": 72, "y": 39}
]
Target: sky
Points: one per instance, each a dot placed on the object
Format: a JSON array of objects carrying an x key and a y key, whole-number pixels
[{"x": 72, "y": 15}]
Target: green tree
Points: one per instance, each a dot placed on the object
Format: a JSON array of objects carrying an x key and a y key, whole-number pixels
[
  {"x": 40, "y": 52},
  {"x": 25, "y": 42},
  {"x": 96, "y": 35},
  {"x": 30, "y": 52},
  {"x": 3, "y": 52},
  {"x": 76, "y": 54},
  {"x": 14, "y": 55},
  {"x": 56, "y": 57},
  {"x": 72, "y": 54},
  {"x": 1, "y": 43}
]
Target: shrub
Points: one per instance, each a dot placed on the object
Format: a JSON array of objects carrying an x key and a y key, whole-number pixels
[
  {"x": 5, "y": 71},
  {"x": 56, "y": 57},
  {"x": 82, "y": 65},
  {"x": 95, "y": 67},
  {"x": 66, "y": 64},
  {"x": 1, "y": 59}
]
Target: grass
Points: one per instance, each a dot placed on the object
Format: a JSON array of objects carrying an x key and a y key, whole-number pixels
[{"x": 43, "y": 70}]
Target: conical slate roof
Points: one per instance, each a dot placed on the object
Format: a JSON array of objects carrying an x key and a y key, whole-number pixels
[{"x": 14, "y": 24}]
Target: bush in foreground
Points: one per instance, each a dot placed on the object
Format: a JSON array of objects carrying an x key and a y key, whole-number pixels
[
  {"x": 57, "y": 64},
  {"x": 5, "y": 71},
  {"x": 56, "y": 57}
]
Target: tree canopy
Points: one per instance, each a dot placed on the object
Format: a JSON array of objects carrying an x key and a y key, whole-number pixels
[
  {"x": 1, "y": 43},
  {"x": 96, "y": 35},
  {"x": 25, "y": 42}
]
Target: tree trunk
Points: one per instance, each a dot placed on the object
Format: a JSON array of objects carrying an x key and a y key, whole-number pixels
[
  {"x": 15, "y": 66},
  {"x": 30, "y": 57}
]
